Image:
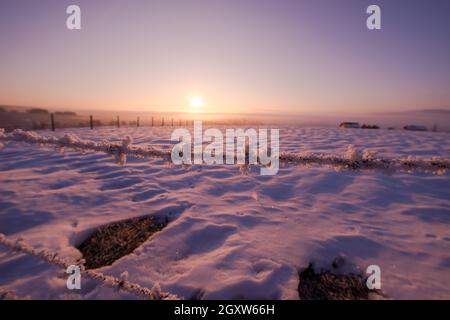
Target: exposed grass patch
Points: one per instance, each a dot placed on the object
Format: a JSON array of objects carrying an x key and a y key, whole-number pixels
[
  {"x": 327, "y": 285},
  {"x": 113, "y": 241}
]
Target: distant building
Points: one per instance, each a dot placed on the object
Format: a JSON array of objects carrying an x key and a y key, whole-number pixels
[
  {"x": 370, "y": 126},
  {"x": 414, "y": 127},
  {"x": 353, "y": 125}
]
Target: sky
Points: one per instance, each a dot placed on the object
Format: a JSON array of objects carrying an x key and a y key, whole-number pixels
[{"x": 238, "y": 56}]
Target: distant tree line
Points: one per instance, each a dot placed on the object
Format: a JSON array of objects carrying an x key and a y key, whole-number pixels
[
  {"x": 45, "y": 111},
  {"x": 65, "y": 113},
  {"x": 38, "y": 111}
]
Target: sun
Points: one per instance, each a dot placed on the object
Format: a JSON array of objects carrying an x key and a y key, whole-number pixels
[{"x": 196, "y": 102}]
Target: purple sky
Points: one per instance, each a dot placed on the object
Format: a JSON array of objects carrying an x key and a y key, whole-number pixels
[{"x": 239, "y": 55}]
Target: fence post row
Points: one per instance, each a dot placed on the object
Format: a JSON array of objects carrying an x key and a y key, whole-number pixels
[{"x": 138, "y": 122}]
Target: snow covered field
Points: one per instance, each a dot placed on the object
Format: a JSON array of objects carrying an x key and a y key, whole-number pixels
[{"x": 232, "y": 234}]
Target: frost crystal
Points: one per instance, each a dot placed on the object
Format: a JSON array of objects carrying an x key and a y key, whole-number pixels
[
  {"x": 156, "y": 290},
  {"x": 369, "y": 155},
  {"x": 124, "y": 276},
  {"x": 126, "y": 143},
  {"x": 353, "y": 154}
]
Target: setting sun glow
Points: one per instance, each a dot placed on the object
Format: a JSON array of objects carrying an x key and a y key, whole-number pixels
[{"x": 196, "y": 103}]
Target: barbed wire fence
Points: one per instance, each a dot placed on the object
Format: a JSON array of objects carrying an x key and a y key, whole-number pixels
[
  {"x": 352, "y": 159},
  {"x": 19, "y": 246}
]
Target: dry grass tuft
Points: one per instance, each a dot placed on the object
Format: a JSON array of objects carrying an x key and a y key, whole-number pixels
[
  {"x": 326, "y": 285},
  {"x": 113, "y": 241}
]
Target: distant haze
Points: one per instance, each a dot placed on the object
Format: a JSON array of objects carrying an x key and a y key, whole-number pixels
[{"x": 432, "y": 119}]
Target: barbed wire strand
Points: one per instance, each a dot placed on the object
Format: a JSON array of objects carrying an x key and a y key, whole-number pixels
[
  {"x": 155, "y": 293},
  {"x": 353, "y": 159}
]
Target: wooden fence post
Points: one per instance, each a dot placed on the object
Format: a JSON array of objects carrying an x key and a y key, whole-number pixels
[
  {"x": 137, "y": 123},
  {"x": 52, "y": 121},
  {"x": 91, "y": 122},
  {"x": 152, "y": 121}
]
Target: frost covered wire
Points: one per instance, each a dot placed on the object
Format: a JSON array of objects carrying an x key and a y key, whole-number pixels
[
  {"x": 353, "y": 159},
  {"x": 356, "y": 160},
  {"x": 123, "y": 284},
  {"x": 118, "y": 150}
]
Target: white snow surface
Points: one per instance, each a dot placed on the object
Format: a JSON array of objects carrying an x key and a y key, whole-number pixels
[{"x": 232, "y": 234}]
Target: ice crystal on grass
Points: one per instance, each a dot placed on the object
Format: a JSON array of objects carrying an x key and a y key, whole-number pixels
[{"x": 333, "y": 284}]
